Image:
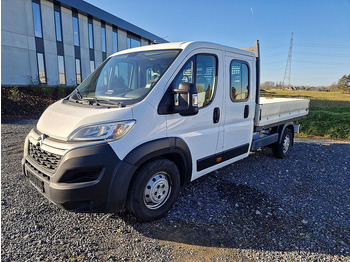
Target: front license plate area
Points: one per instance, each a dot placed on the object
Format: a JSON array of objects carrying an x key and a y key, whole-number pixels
[{"x": 36, "y": 181}]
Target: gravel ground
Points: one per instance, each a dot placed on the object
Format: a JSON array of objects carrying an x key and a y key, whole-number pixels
[{"x": 258, "y": 209}]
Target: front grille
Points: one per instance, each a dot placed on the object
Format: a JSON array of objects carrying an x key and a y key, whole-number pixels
[{"x": 44, "y": 158}]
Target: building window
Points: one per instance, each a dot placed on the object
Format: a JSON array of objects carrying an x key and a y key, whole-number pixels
[
  {"x": 115, "y": 41},
  {"x": 103, "y": 39},
  {"x": 91, "y": 36},
  {"x": 41, "y": 68},
  {"x": 61, "y": 73},
  {"x": 37, "y": 20},
  {"x": 92, "y": 66},
  {"x": 76, "y": 31},
  {"x": 133, "y": 41},
  {"x": 78, "y": 71},
  {"x": 58, "y": 26},
  {"x": 239, "y": 81}
]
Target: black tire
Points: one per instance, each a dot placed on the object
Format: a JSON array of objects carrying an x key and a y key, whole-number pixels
[
  {"x": 154, "y": 190},
  {"x": 281, "y": 150}
]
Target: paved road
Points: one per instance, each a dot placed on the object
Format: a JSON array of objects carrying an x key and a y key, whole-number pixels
[{"x": 259, "y": 209}]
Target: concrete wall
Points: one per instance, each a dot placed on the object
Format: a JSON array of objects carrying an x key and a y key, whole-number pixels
[
  {"x": 122, "y": 35},
  {"x": 18, "y": 55},
  {"x": 84, "y": 45},
  {"x": 97, "y": 42},
  {"x": 109, "y": 40}
]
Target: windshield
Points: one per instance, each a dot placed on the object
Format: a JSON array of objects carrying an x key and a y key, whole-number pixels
[{"x": 127, "y": 78}]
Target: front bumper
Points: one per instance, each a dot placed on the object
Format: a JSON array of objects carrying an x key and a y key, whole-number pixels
[{"x": 86, "y": 179}]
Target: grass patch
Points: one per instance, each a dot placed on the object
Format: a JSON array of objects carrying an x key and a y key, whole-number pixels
[
  {"x": 329, "y": 114},
  {"x": 333, "y": 122}
]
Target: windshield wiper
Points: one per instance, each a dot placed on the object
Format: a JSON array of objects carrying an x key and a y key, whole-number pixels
[{"x": 108, "y": 101}]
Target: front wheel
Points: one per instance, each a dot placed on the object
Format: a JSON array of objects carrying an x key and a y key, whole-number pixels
[
  {"x": 154, "y": 190},
  {"x": 281, "y": 150}
]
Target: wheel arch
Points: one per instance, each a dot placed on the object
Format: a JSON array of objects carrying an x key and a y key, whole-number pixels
[
  {"x": 282, "y": 128},
  {"x": 173, "y": 148}
]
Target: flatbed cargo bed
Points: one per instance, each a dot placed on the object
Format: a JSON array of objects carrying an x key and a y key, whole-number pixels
[{"x": 273, "y": 111}]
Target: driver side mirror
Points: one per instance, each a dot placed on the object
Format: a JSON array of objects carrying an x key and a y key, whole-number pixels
[{"x": 186, "y": 99}]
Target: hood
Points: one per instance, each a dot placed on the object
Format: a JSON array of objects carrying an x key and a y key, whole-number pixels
[{"x": 60, "y": 120}]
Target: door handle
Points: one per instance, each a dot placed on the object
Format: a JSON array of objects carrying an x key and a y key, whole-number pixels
[
  {"x": 216, "y": 115},
  {"x": 246, "y": 111}
]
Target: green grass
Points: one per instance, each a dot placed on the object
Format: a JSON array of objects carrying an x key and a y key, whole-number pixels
[{"x": 329, "y": 114}]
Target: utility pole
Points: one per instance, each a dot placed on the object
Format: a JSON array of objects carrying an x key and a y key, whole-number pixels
[{"x": 286, "y": 79}]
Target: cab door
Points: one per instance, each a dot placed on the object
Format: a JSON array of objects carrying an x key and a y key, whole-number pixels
[
  {"x": 239, "y": 107},
  {"x": 202, "y": 132}
]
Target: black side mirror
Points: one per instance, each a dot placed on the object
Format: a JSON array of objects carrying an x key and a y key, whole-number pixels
[{"x": 186, "y": 99}]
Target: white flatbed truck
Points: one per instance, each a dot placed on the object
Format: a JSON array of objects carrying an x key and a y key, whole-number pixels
[{"x": 151, "y": 119}]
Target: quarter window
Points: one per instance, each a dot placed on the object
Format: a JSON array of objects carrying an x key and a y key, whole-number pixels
[
  {"x": 201, "y": 70},
  {"x": 239, "y": 80}
]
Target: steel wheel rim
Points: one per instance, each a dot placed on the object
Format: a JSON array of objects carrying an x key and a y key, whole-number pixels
[
  {"x": 157, "y": 190},
  {"x": 286, "y": 144}
]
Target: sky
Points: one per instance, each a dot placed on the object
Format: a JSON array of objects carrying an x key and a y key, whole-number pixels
[{"x": 321, "y": 31}]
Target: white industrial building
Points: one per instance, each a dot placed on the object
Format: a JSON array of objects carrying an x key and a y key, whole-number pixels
[{"x": 60, "y": 42}]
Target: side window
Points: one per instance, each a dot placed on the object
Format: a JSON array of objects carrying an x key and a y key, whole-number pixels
[
  {"x": 202, "y": 70},
  {"x": 206, "y": 78},
  {"x": 186, "y": 73},
  {"x": 239, "y": 81}
]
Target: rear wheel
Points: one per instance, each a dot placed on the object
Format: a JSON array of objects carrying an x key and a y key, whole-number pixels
[
  {"x": 281, "y": 149},
  {"x": 154, "y": 190}
]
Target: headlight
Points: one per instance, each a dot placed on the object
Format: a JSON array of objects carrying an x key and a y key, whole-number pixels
[{"x": 109, "y": 131}]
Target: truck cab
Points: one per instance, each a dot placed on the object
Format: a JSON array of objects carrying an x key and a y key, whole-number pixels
[{"x": 151, "y": 119}]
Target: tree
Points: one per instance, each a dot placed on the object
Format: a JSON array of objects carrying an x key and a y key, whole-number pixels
[{"x": 344, "y": 83}]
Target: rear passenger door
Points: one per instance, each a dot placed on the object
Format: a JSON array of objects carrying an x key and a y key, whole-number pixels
[{"x": 239, "y": 107}]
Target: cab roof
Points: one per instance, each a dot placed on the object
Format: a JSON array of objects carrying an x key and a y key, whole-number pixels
[{"x": 187, "y": 45}]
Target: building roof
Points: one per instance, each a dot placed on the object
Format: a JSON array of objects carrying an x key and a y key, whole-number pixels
[{"x": 100, "y": 14}]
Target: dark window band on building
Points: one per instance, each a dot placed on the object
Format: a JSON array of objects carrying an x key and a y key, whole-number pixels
[
  {"x": 38, "y": 32},
  {"x": 41, "y": 68},
  {"x": 61, "y": 71},
  {"x": 92, "y": 66},
  {"x": 91, "y": 40},
  {"x": 76, "y": 39},
  {"x": 39, "y": 42},
  {"x": 115, "y": 39},
  {"x": 75, "y": 28},
  {"x": 103, "y": 40},
  {"x": 91, "y": 33},
  {"x": 133, "y": 41},
  {"x": 58, "y": 27},
  {"x": 58, "y": 23},
  {"x": 78, "y": 71}
]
